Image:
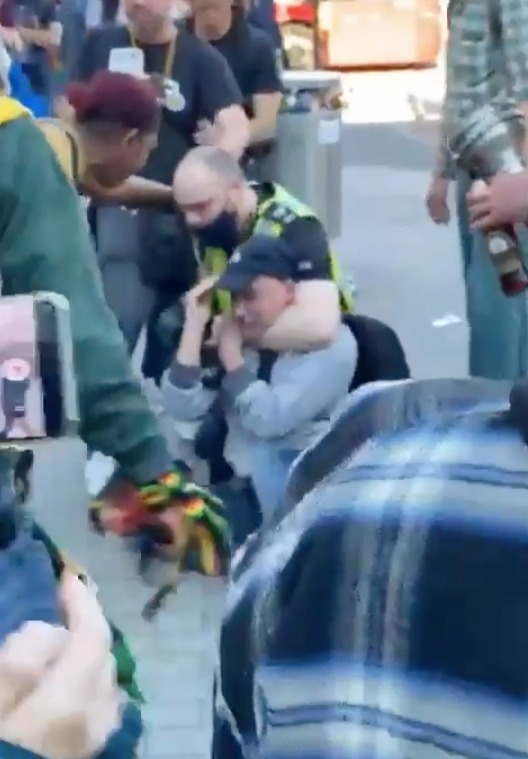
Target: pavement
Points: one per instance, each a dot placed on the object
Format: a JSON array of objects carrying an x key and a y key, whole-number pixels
[{"x": 408, "y": 273}]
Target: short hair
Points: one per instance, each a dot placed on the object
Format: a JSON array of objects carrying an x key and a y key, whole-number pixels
[{"x": 217, "y": 161}]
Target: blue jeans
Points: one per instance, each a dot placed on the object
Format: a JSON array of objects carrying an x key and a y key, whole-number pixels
[
  {"x": 241, "y": 510},
  {"x": 270, "y": 467},
  {"x": 498, "y": 326}
]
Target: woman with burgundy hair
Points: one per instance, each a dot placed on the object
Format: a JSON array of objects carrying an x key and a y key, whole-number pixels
[{"x": 113, "y": 120}]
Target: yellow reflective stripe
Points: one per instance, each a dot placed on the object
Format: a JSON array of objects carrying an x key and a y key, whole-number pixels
[
  {"x": 215, "y": 259},
  {"x": 215, "y": 263},
  {"x": 345, "y": 296},
  {"x": 266, "y": 227}
]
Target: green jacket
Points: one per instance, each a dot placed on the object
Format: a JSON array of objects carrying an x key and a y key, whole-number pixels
[{"x": 45, "y": 245}]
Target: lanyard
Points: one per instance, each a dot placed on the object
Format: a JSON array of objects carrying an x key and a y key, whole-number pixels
[{"x": 169, "y": 55}]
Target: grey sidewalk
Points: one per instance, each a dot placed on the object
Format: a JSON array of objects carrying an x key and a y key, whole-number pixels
[
  {"x": 407, "y": 273},
  {"x": 176, "y": 651}
]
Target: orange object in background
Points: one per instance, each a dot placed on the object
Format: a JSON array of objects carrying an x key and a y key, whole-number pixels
[{"x": 362, "y": 33}]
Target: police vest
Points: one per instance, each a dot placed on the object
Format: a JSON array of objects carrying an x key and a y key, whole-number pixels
[{"x": 273, "y": 215}]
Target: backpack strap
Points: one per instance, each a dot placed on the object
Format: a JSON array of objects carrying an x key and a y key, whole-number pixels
[{"x": 267, "y": 359}]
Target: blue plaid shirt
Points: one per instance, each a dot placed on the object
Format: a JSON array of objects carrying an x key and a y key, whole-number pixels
[{"x": 384, "y": 615}]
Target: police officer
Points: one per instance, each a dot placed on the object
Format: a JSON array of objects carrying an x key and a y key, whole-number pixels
[{"x": 224, "y": 209}]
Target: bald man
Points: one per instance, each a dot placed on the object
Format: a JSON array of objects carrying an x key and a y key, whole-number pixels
[{"x": 223, "y": 209}]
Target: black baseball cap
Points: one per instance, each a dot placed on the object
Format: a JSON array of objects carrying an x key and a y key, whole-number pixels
[{"x": 260, "y": 256}]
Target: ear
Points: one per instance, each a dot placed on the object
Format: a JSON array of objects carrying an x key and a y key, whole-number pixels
[{"x": 130, "y": 136}]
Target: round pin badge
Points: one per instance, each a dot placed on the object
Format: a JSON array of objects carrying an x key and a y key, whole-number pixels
[{"x": 174, "y": 100}]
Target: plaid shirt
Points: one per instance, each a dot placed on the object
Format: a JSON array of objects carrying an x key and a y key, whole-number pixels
[
  {"x": 487, "y": 60},
  {"x": 384, "y": 616}
]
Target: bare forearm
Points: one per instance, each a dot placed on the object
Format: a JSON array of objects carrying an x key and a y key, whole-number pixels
[
  {"x": 134, "y": 192},
  {"x": 190, "y": 347},
  {"x": 264, "y": 124},
  {"x": 310, "y": 323},
  {"x": 261, "y": 130},
  {"x": 40, "y": 37}
]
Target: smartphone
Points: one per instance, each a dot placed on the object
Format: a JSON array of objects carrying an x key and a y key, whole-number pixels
[
  {"x": 37, "y": 402},
  {"x": 37, "y": 385}
]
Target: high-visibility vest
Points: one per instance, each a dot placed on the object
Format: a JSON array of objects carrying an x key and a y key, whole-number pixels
[{"x": 273, "y": 215}]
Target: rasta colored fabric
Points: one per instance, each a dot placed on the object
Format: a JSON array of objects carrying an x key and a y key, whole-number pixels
[
  {"x": 183, "y": 518},
  {"x": 126, "y": 666}
]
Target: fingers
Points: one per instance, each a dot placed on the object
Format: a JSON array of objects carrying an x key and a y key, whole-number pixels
[
  {"x": 204, "y": 286},
  {"x": 24, "y": 657},
  {"x": 485, "y": 222},
  {"x": 480, "y": 212},
  {"x": 86, "y": 649},
  {"x": 76, "y": 705},
  {"x": 90, "y": 638}
]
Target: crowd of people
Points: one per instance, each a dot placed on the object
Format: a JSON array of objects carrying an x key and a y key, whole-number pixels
[
  {"x": 375, "y": 597},
  {"x": 153, "y": 132}
]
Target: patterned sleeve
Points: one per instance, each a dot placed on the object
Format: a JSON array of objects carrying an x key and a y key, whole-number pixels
[
  {"x": 444, "y": 162},
  {"x": 513, "y": 20}
]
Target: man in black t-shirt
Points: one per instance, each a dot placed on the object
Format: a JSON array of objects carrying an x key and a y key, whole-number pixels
[
  {"x": 148, "y": 259},
  {"x": 253, "y": 60}
]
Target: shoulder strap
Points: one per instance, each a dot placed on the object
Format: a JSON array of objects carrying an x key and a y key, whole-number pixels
[
  {"x": 64, "y": 144},
  {"x": 267, "y": 359}
]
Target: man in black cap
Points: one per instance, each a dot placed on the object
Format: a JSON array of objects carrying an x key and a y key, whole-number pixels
[{"x": 270, "y": 419}]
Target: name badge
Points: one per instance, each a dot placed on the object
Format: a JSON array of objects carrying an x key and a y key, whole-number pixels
[{"x": 127, "y": 60}]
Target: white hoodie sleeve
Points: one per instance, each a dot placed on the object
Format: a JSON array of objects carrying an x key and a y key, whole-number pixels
[{"x": 5, "y": 65}]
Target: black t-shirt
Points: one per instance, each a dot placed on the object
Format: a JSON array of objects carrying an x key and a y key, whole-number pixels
[
  {"x": 205, "y": 83},
  {"x": 307, "y": 241},
  {"x": 252, "y": 59},
  {"x": 309, "y": 247}
]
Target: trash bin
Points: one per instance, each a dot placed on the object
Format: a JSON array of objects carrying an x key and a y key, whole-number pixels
[{"x": 307, "y": 158}]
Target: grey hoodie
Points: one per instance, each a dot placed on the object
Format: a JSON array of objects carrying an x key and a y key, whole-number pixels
[{"x": 294, "y": 407}]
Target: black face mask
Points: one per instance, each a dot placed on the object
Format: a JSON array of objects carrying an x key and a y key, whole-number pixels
[{"x": 221, "y": 233}]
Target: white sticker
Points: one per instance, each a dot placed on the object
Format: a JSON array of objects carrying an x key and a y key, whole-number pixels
[
  {"x": 329, "y": 131},
  {"x": 127, "y": 60},
  {"x": 446, "y": 321}
]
